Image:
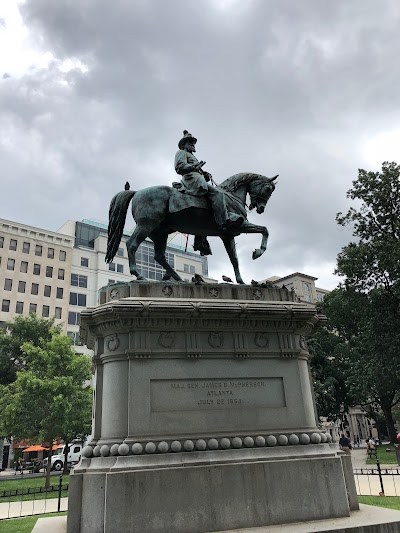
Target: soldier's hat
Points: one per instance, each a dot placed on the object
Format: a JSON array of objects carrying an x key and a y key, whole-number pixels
[{"x": 186, "y": 137}]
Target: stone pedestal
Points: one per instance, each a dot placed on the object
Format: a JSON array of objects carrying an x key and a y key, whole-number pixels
[{"x": 204, "y": 418}]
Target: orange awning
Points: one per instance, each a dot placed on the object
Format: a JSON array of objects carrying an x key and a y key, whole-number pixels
[{"x": 36, "y": 448}]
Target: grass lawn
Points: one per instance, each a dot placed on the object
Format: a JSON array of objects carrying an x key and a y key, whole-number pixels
[
  {"x": 385, "y": 458},
  {"x": 23, "y": 525},
  {"x": 22, "y": 482},
  {"x": 391, "y": 502}
]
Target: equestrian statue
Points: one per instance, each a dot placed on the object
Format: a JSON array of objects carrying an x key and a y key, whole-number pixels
[{"x": 195, "y": 205}]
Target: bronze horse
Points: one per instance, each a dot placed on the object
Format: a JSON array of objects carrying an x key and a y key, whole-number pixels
[{"x": 151, "y": 211}]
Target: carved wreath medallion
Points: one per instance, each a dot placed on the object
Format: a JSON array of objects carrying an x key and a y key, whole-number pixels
[
  {"x": 216, "y": 339},
  {"x": 112, "y": 343},
  {"x": 257, "y": 293},
  {"x": 114, "y": 294},
  {"x": 213, "y": 292},
  {"x": 261, "y": 339},
  {"x": 167, "y": 339},
  {"x": 167, "y": 290}
]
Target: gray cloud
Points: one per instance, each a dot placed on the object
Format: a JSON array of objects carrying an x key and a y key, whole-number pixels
[{"x": 270, "y": 87}]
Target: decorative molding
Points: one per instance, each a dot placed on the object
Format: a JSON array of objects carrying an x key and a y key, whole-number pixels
[
  {"x": 261, "y": 339},
  {"x": 112, "y": 342},
  {"x": 213, "y": 292},
  {"x": 114, "y": 294},
  {"x": 167, "y": 291},
  {"x": 207, "y": 443},
  {"x": 216, "y": 339},
  {"x": 257, "y": 294},
  {"x": 167, "y": 339},
  {"x": 302, "y": 342}
]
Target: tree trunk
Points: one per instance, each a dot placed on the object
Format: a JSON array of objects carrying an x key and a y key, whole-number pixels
[
  {"x": 48, "y": 470},
  {"x": 387, "y": 412},
  {"x": 1, "y": 452},
  {"x": 66, "y": 451}
]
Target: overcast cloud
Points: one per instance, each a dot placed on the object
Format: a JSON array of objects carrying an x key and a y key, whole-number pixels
[{"x": 93, "y": 93}]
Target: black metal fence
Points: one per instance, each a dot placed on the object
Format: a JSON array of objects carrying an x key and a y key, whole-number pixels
[
  {"x": 15, "y": 503},
  {"x": 377, "y": 481}
]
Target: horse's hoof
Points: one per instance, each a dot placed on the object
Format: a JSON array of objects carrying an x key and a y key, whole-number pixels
[{"x": 257, "y": 253}]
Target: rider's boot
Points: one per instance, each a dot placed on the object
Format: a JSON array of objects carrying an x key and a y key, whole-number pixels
[{"x": 223, "y": 219}]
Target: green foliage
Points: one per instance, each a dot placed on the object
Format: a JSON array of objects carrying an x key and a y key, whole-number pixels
[
  {"x": 374, "y": 260},
  {"x": 365, "y": 310},
  {"x": 49, "y": 397},
  {"x": 328, "y": 368},
  {"x": 23, "y": 329}
]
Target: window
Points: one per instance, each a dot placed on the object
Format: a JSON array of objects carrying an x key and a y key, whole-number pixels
[
  {"x": 36, "y": 269},
  {"x": 5, "y": 306},
  {"x": 21, "y": 286},
  {"x": 190, "y": 269},
  {"x": 46, "y": 311},
  {"x": 120, "y": 268},
  {"x": 77, "y": 299},
  {"x": 75, "y": 339},
  {"x": 35, "y": 288},
  {"x": 13, "y": 244},
  {"x": 84, "y": 262},
  {"x": 47, "y": 290},
  {"x": 120, "y": 252},
  {"x": 59, "y": 292},
  {"x": 19, "y": 307},
  {"x": 24, "y": 267},
  {"x": 58, "y": 312},
  {"x": 32, "y": 308},
  {"x": 111, "y": 266},
  {"x": 1, "y": 242},
  {"x": 77, "y": 280},
  {"x": 10, "y": 264},
  {"x": 38, "y": 249},
  {"x": 307, "y": 291},
  {"x": 61, "y": 273},
  {"x": 63, "y": 255},
  {"x": 2, "y": 324},
  {"x": 49, "y": 272},
  {"x": 50, "y": 253},
  {"x": 74, "y": 318},
  {"x": 26, "y": 247},
  {"x": 77, "y": 449},
  {"x": 7, "y": 284}
]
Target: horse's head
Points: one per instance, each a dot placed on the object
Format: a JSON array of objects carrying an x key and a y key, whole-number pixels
[{"x": 260, "y": 190}]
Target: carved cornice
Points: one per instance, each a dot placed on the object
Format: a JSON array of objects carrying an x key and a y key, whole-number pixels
[{"x": 169, "y": 315}]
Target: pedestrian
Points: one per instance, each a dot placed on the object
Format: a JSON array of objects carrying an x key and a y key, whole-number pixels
[
  {"x": 344, "y": 443},
  {"x": 18, "y": 466}
]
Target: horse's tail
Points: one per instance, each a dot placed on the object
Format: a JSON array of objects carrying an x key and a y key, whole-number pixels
[{"x": 117, "y": 215}]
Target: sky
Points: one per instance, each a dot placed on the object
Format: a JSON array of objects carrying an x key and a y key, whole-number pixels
[{"x": 94, "y": 93}]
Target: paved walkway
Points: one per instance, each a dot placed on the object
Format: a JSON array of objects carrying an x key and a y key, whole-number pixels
[{"x": 31, "y": 507}]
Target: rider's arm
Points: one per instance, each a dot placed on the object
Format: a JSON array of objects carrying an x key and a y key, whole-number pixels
[{"x": 182, "y": 167}]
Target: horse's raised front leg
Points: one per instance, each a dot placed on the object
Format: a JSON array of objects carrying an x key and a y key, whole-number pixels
[
  {"x": 229, "y": 243},
  {"x": 248, "y": 227},
  {"x": 160, "y": 244}
]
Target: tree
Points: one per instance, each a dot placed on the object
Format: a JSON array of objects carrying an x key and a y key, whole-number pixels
[
  {"x": 366, "y": 309},
  {"x": 368, "y": 333},
  {"x": 12, "y": 337},
  {"x": 23, "y": 329},
  {"x": 374, "y": 259},
  {"x": 49, "y": 395},
  {"x": 329, "y": 370}
]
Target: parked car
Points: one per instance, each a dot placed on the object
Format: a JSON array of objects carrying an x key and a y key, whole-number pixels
[{"x": 74, "y": 456}]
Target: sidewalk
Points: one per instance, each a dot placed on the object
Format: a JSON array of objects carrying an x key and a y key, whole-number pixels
[
  {"x": 31, "y": 507},
  {"x": 359, "y": 460}
]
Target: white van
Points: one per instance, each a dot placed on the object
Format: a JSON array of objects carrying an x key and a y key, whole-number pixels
[{"x": 74, "y": 456}]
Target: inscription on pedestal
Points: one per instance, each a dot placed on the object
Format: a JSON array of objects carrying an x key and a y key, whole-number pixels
[{"x": 235, "y": 393}]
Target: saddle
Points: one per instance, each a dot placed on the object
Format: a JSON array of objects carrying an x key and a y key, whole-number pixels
[{"x": 179, "y": 200}]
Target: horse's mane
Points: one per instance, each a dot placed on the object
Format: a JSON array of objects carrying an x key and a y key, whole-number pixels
[{"x": 234, "y": 182}]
